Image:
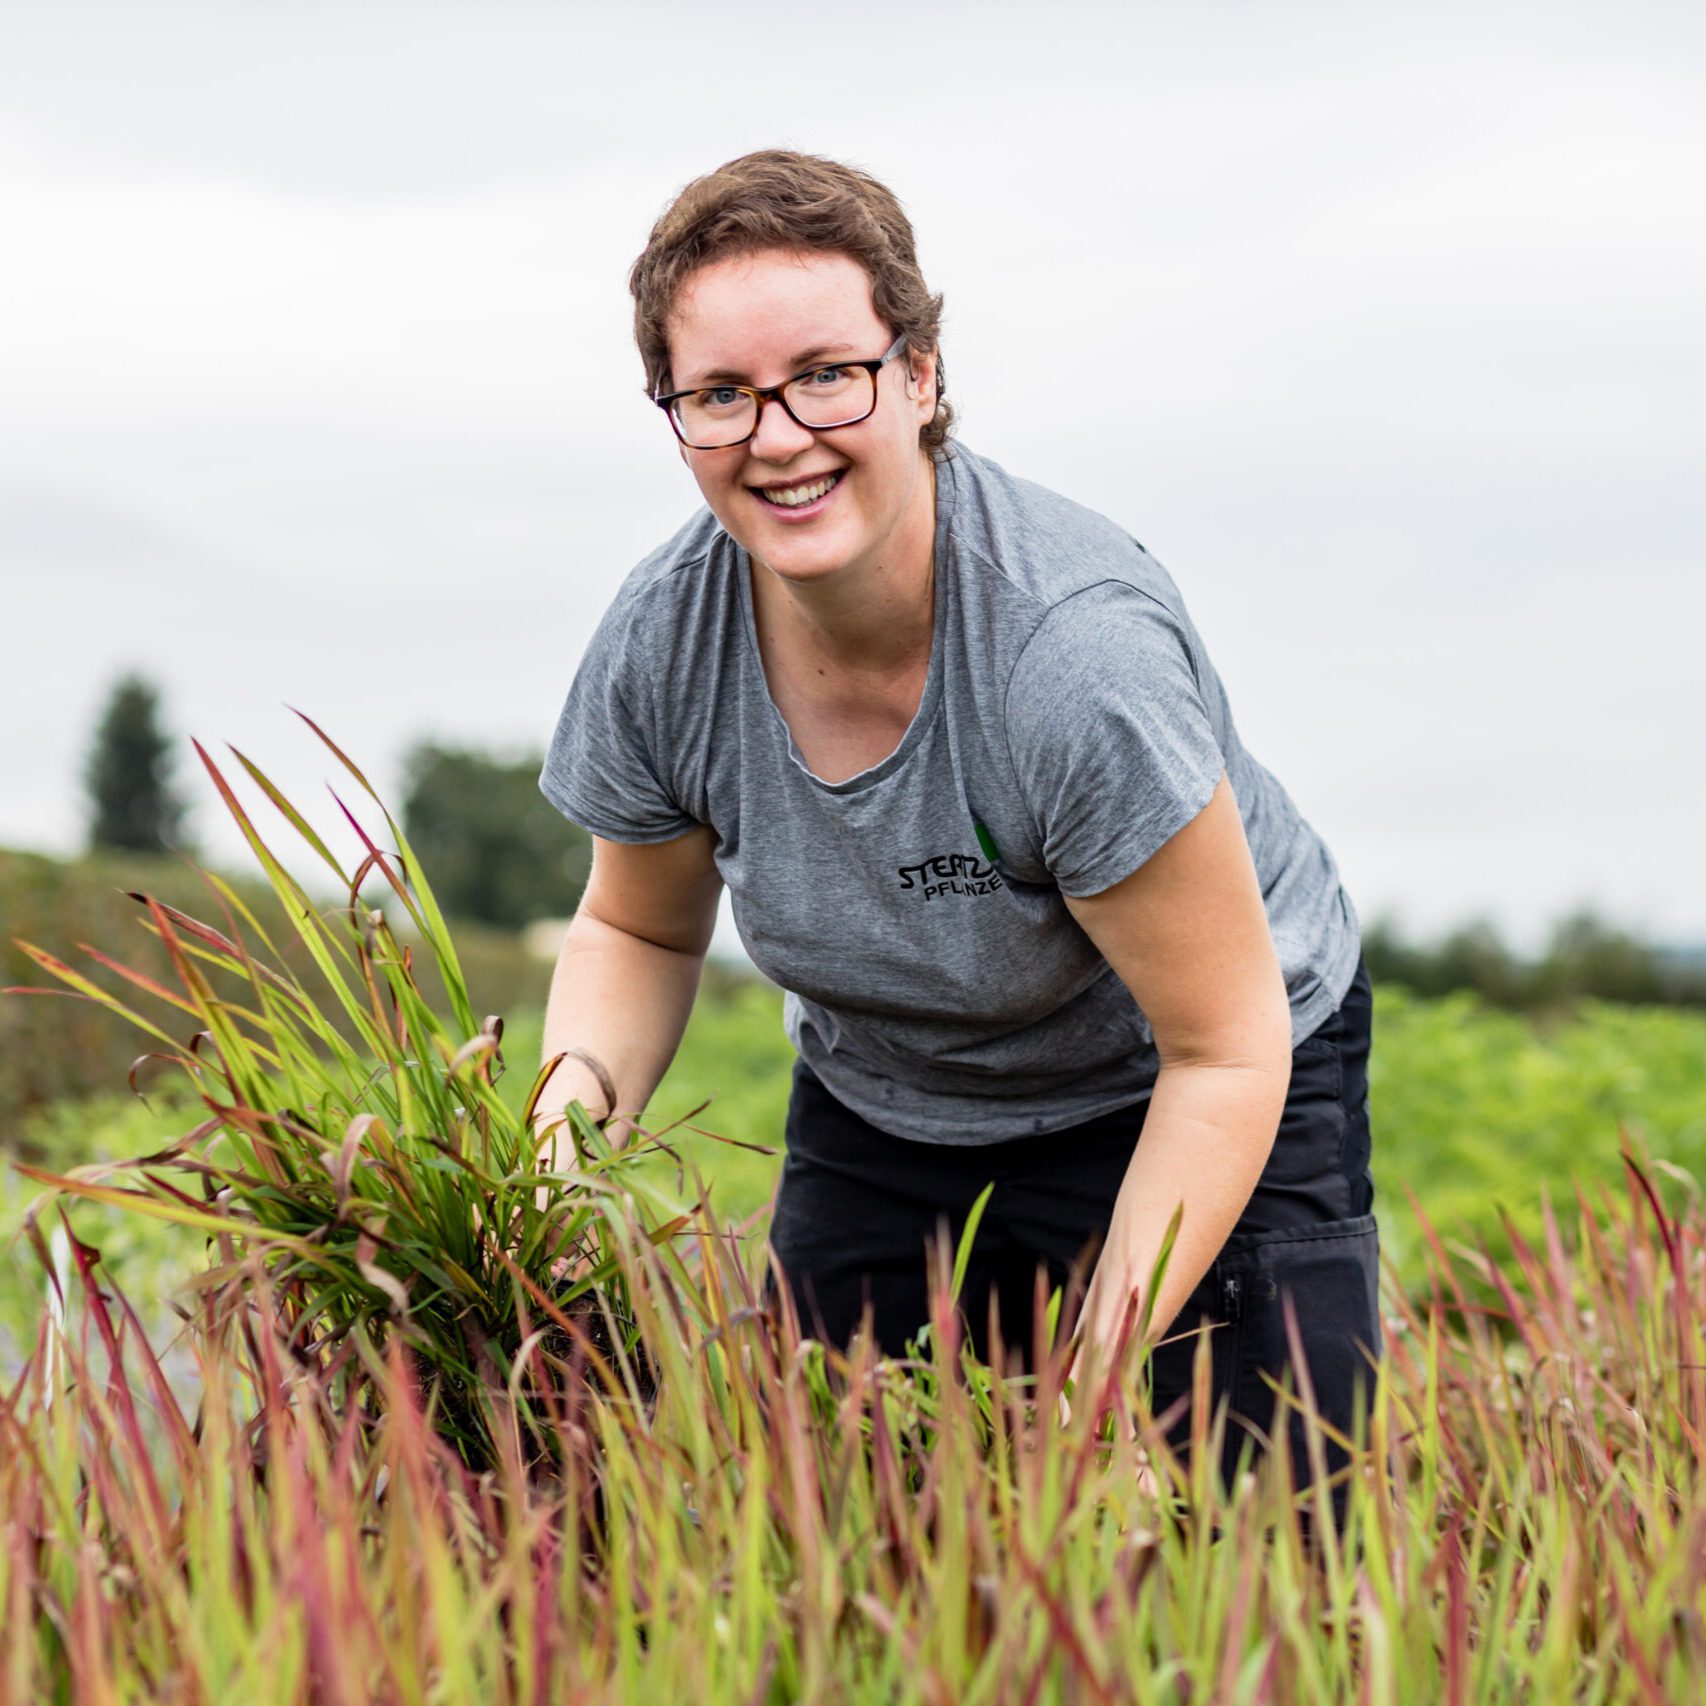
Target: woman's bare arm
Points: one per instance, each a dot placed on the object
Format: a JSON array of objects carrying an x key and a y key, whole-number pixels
[
  {"x": 627, "y": 974},
  {"x": 1188, "y": 934}
]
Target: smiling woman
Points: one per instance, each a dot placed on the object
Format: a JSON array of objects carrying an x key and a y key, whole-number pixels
[{"x": 960, "y": 755}]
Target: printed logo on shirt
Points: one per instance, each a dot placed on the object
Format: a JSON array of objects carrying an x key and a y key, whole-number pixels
[{"x": 950, "y": 873}]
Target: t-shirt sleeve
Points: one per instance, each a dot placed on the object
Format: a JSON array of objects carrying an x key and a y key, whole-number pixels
[
  {"x": 601, "y": 768},
  {"x": 1109, "y": 736}
]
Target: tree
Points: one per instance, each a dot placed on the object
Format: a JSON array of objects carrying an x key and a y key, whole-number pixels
[
  {"x": 494, "y": 848},
  {"x": 1588, "y": 955},
  {"x": 128, "y": 775}
]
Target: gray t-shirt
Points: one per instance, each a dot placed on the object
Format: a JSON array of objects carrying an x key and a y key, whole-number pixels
[{"x": 1071, "y": 723}]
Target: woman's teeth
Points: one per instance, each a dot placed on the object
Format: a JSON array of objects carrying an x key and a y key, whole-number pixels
[{"x": 792, "y": 497}]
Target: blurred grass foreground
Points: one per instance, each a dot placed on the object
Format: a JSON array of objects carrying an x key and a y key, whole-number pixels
[{"x": 313, "y": 1394}]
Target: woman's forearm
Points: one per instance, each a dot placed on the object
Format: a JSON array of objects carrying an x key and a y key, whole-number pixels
[
  {"x": 623, "y": 1000},
  {"x": 1207, "y": 1135}
]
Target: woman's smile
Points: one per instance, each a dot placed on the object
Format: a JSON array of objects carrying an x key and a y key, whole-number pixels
[{"x": 801, "y": 498}]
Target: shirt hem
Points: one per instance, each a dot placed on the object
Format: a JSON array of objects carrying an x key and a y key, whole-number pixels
[
  {"x": 607, "y": 829},
  {"x": 1096, "y": 880}
]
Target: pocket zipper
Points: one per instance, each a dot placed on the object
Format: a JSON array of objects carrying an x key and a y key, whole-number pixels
[{"x": 1232, "y": 1334}]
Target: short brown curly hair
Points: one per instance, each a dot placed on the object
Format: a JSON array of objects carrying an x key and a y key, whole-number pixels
[{"x": 778, "y": 199}]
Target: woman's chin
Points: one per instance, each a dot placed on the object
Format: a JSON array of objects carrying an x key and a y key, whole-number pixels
[{"x": 801, "y": 561}]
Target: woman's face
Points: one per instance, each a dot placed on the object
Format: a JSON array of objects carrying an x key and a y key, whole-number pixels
[{"x": 758, "y": 320}]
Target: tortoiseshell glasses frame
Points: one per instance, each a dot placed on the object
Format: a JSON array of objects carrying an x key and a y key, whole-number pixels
[{"x": 762, "y": 394}]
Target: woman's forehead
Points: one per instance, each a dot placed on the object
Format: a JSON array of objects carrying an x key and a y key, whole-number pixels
[{"x": 773, "y": 307}]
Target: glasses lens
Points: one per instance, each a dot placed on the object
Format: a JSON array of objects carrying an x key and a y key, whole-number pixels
[
  {"x": 832, "y": 396},
  {"x": 707, "y": 419}
]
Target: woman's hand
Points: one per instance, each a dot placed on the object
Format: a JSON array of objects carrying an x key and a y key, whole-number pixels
[{"x": 1147, "y": 1485}]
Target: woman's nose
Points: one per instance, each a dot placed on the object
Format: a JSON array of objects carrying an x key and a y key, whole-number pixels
[{"x": 778, "y": 435}]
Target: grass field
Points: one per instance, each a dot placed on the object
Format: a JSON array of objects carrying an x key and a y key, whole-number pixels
[
  {"x": 228, "y": 1528},
  {"x": 238, "y": 1521}
]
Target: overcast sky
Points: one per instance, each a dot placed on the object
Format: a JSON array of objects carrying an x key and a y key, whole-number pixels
[{"x": 1381, "y": 326}]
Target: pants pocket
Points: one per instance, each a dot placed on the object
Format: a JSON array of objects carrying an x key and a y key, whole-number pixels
[{"x": 1331, "y": 1272}]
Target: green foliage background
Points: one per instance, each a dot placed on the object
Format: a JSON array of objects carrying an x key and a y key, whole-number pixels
[{"x": 1585, "y": 955}]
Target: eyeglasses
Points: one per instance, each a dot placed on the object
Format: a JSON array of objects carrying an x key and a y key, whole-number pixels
[{"x": 717, "y": 417}]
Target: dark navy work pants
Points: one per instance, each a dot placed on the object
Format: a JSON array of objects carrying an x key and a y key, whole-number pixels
[{"x": 857, "y": 1207}]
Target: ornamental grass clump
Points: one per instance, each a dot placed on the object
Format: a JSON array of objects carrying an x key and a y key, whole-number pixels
[{"x": 354, "y": 1146}]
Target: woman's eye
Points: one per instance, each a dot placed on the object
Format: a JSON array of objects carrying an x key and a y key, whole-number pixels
[
  {"x": 720, "y": 397},
  {"x": 827, "y": 376}
]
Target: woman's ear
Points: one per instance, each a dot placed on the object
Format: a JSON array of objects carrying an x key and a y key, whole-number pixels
[{"x": 921, "y": 378}]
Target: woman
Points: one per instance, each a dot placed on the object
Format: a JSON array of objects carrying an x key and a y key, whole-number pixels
[{"x": 960, "y": 756}]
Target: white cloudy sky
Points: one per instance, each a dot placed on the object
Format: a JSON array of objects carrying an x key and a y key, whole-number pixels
[{"x": 1380, "y": 325}]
